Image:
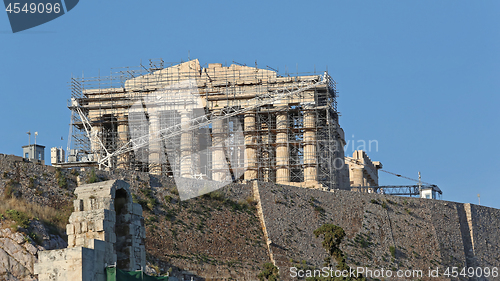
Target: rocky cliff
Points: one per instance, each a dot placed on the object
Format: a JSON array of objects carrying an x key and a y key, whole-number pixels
[{"x": 231, "y": 233}]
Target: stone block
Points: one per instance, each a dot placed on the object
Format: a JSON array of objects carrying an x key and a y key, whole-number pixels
[
  {"x": 127, "y": 217},
  {"x": 78, "y": 205},
  {"x": 108, "y": 204},
  {"x": 137, "y": 209},
  {"x": 70, "y": 229},
  {"x": 136, "y": 220},
  {"x": 71, "y": 241},
  {"x": 110, "y": 215},
  {"x": 79, "y": 240},
  {"x": 78, "y": 228},
  {"x": 143, "y": 257},
  {"x": 99, "y": 225},
  {"x": 76, "y": 217},
  {"x": 112, "y": 237},
  {"x": 84, "y": 226},
  {"x": 91, "y": 226}
]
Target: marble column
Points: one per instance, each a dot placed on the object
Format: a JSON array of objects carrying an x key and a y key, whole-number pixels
[
  {"x": 250, "y": 147},
  {"x": 154, "y": 145},
  {"x": 186, "y": 146},
  {"x": 123, "y": 137},
  {"x": 219, "y": 169},
  {"x": 95, "y": 142},
  {"x": 310, "y": 163},
  {"x": 282, "y": 153}
]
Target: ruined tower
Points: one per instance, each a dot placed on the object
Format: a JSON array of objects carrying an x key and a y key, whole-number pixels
[{"x": 106, "y": 228}]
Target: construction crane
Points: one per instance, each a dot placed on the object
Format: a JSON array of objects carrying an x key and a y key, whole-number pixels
[
  {"x": 404, "y": 190},
  {"x": 204, "y": 120}
]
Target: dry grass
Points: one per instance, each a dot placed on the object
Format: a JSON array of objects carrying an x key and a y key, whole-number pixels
[{"x": 55, "y": 217}]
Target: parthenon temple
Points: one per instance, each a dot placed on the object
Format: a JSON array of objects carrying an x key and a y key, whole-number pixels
[{"x": 264, "y": 126}]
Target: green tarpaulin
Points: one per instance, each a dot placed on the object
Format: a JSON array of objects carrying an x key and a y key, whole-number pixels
[{"x": 115, "y": 274}]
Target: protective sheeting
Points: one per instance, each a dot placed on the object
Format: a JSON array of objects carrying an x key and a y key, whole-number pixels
[{"x": 115, "y": 274}]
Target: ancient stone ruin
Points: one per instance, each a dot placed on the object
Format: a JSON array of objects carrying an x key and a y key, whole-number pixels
[{"x": 106, "y": 228}]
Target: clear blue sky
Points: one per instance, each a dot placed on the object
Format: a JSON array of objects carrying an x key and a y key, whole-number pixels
[{"x": 419, "y": 77}]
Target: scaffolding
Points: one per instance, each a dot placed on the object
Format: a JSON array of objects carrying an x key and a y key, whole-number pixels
[{"x": 295, "y": 140}]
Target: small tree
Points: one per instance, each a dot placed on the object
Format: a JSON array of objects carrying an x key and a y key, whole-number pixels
[
  {"x": 270, "y": 273},
  {"x": 92, "y": 177},
  {"x": 61, "y": 178},
  {"x": 333, "y": 236}
]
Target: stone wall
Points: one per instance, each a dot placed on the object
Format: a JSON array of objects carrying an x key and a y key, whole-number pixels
[
  {"x": 77, "y": 263},
  {"x": 484, "y": 227},
  {"x": 425, "y": 233}
]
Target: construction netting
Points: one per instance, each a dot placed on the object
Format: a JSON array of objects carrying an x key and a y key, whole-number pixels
[{"x": 115, "y": 274}]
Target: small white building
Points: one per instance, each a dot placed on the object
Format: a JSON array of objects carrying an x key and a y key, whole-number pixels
[
  {"x": 428, "y": 193},
  {"x": 57, "y": 155}
]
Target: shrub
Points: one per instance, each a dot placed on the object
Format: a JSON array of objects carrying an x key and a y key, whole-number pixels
[
  {"x": 62, "y": 182},
  {"x": 9, "y": 189},
  {"x": 174, "y": 190},
  {"x": 384, "y": 205},
  {"x": 35, "y": 237},
  {"x": 61, "y": 178},
  {"x": 270, "y": 272},
  {"x": 216, "y": 195},
  {"x": 333, "y": 236},
  {"x": 251, "y": 201},
  {"x": 392, "y": 249},
  {"x": 319, "y": 209},
  {"x": 364, "y": 243},
  {"x": 20, "y": 218},
  {"x": 31, "y": 184},
  {"x": 143, "y": 203},
  {"x": 92, "y": 177},
  {"x": 150, "y": 198},
  {"x": 171, "y": 214}
]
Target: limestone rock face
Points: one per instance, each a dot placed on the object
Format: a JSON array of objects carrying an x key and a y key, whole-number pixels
[{"x": 18, "y": 253}]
